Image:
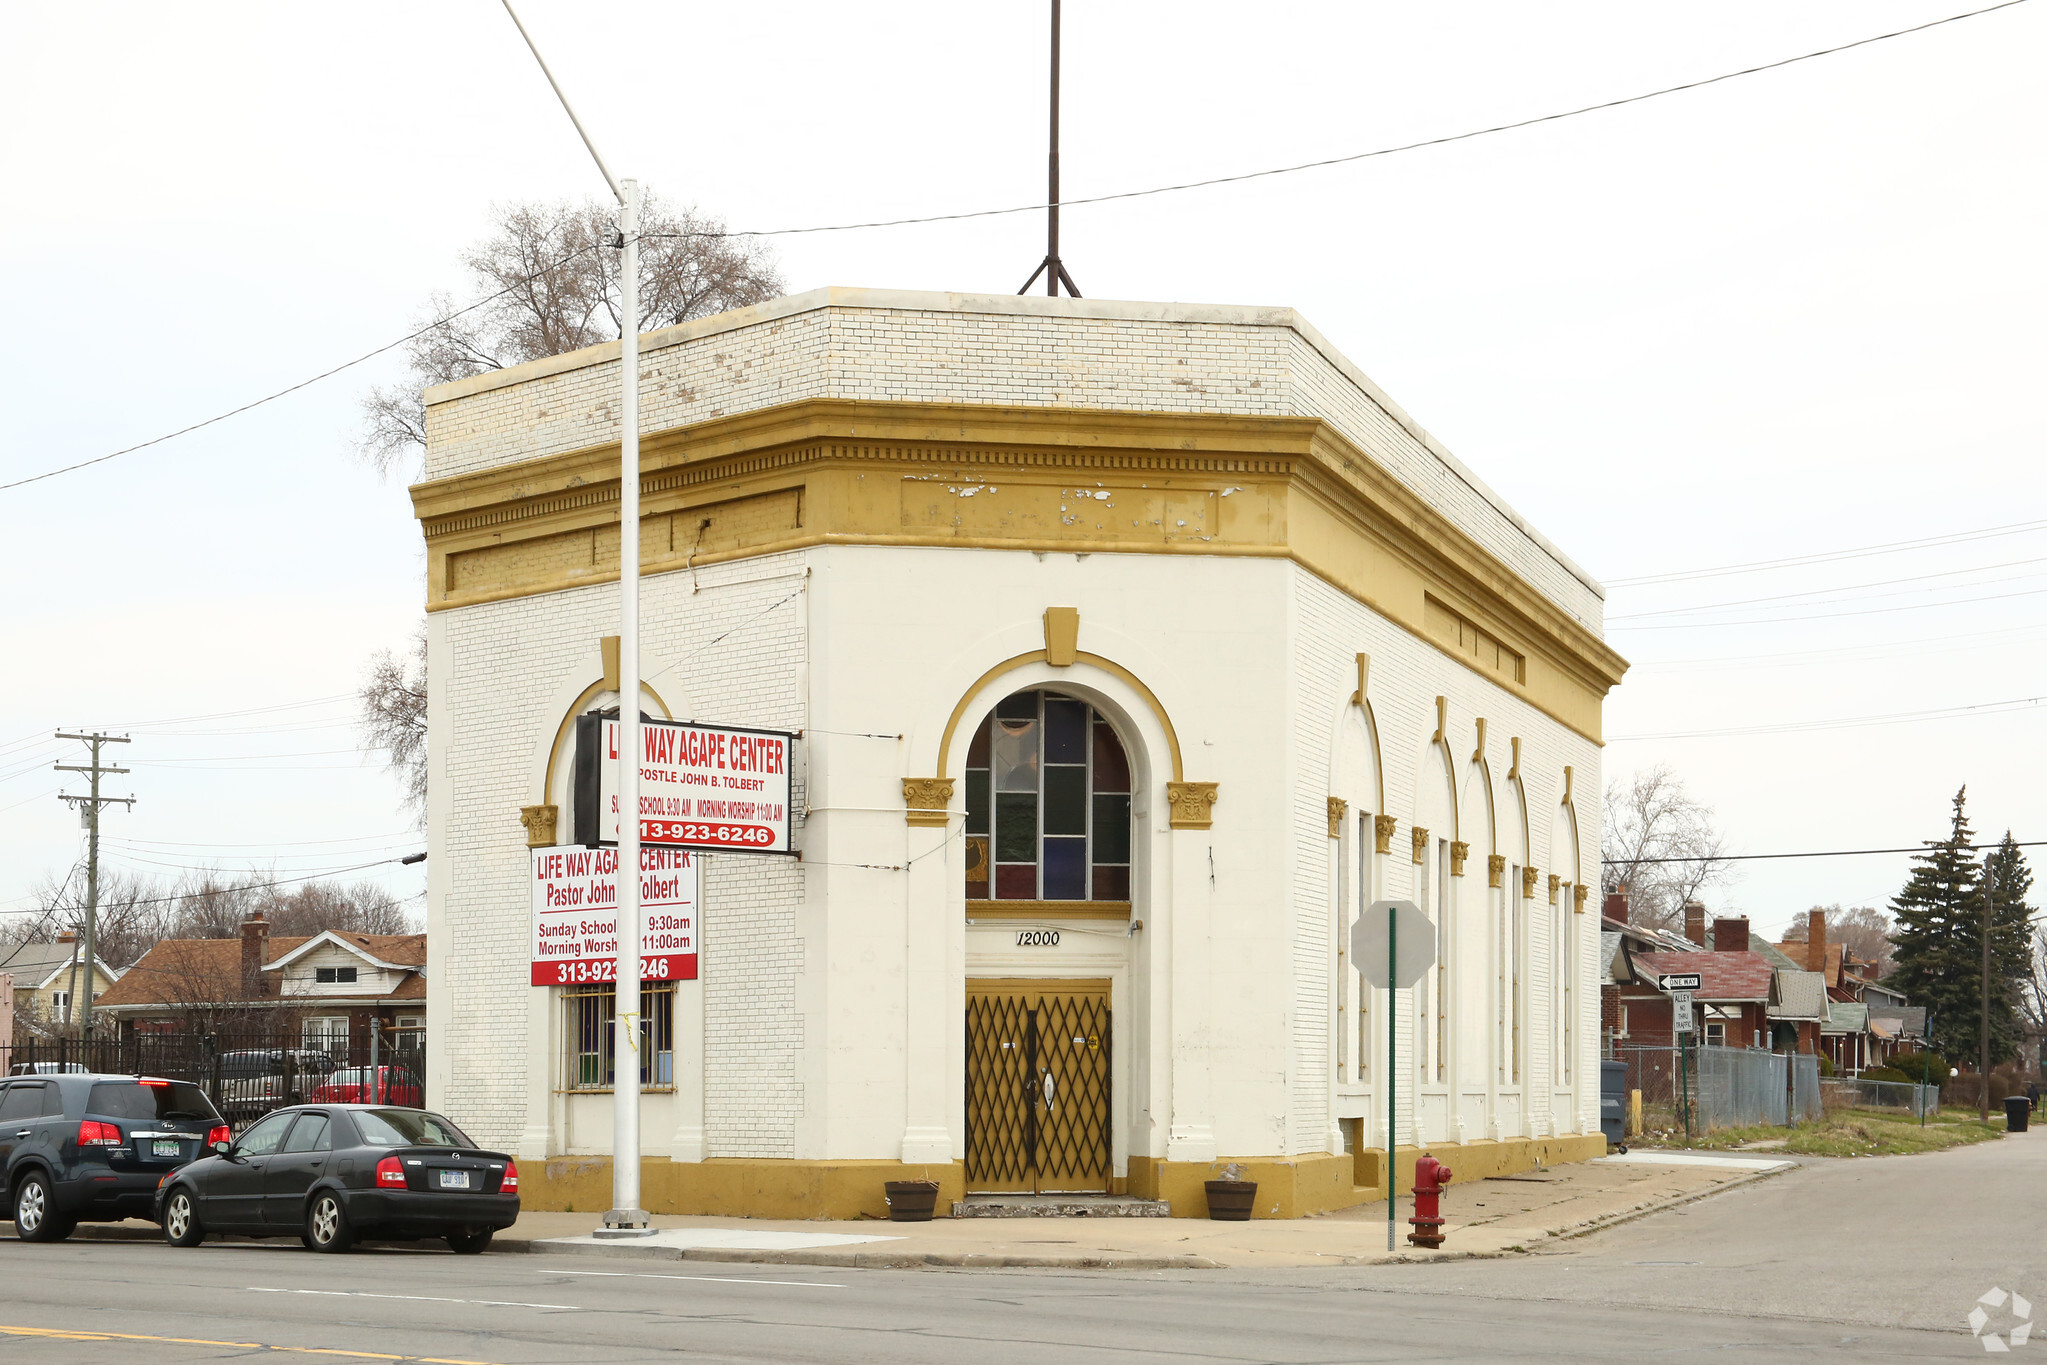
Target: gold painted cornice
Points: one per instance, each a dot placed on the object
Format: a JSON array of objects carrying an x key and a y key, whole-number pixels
[{"x": 858, "y": 472}]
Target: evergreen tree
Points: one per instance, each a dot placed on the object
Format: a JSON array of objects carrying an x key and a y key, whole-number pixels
[
  {"x": 1939, "y": 939},
  {"x": 1939, "y": 918},
  {"x": 2007, "y": 880}
]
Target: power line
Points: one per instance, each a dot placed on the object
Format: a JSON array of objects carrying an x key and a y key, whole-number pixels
[
  {"x": 1836, "y": 615},
  {"x": 259, "y": 886},
  {"x": 1886, "y": 649},
  {"x": 1829, "y": 556},
  {"x": 324, "y": 374},
  {"x": 1852, "y": 588},
  {"x": 1988, "y": 708},
  {"x": 1040, "y": 207},
  {"x": 1364, "y": 156},
  {"x": 1828, "y": 853}
]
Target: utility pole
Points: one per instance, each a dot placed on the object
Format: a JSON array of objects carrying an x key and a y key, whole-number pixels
[
  {"x": 89, "y": 810},
  {"x": 1983, "y": 1028},
  {"x": 1052, "y": 268},
  {"x": 625, "y": 1218}
]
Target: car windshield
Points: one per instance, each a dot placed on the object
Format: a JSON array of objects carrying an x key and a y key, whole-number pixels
[
  {"x": 250, "y": 1064},
  {"x": 134, "y": 1100},
  {"x": 407, "y": 1128}
]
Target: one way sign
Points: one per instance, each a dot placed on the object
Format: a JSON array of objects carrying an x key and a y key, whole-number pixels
[{"x": 1677, "y": 981}]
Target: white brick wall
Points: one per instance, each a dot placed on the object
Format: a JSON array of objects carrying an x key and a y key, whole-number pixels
[{"x": 867, "y": 344}]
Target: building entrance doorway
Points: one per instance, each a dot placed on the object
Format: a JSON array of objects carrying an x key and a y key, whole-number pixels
[{"x": 1038, "y": 1086}]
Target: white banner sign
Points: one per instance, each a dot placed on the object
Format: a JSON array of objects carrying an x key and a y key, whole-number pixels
[
  {"x": 703, "y": 786},
  {"x": 575, "y": 915}
]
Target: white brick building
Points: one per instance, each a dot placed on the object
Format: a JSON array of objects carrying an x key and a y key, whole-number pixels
[{"x": 1172, "y": 544}]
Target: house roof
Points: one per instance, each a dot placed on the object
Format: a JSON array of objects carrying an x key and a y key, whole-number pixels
[
  {"x": 397, "y": 952},
  {"x": 1897, "y": 1021},
  {"x": 193, "y": 971},
  {"x": 1846, "y": 1017},
  {"x": 1800, "y": 996},
  {"x": 1610, "y": 960},
  {"x": 1775, "y": 955},
  {"x": 1723, "y": 977},
  {"x": 35, "y": 965}
]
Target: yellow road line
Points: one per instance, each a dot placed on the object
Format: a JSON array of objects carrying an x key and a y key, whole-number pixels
[{"x": 87, "y": 1334}]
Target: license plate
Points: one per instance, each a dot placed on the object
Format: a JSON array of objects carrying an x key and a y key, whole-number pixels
[
  {"x": 454, "y": 1180},
  {"x": 166, "y": 1147}
]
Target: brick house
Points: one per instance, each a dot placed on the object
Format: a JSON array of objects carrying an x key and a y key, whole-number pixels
[{"x": 334, "y": 984}]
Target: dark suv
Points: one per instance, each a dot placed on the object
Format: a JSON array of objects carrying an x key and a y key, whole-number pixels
[{"x": 94, "y": 1148}]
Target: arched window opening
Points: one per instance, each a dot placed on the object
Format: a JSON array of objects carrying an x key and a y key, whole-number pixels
[{"x": 1048, "y": 803}]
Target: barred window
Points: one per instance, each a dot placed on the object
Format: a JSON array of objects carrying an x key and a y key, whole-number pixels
[
  {"x": 1048, "y": 803},
  {"x": 587, "y": 1015}
]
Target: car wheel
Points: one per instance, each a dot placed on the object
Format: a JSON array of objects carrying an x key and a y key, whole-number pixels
[
  {"x": 468, "y": 1243},
  {"x": 327, "y": 1224},
  {"x": 181, "y": 1220},
  {"x": 35, "y": 1212}
]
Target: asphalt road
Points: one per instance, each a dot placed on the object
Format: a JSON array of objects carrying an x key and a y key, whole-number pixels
[{"x": 1876, "y": 1260}]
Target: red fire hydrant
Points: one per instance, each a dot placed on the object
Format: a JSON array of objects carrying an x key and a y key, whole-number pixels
[{"x": 1430, "y": 1176}]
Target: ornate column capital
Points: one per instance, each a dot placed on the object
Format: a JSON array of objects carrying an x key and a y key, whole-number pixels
[
  {"x": 1337, "y": 806},
  {"x": 1579, "y": 893},
  {"x": 1383, "y": 827},
  {"x": 1191, "y": 804},
  {"x": 1529, "y": 876},
  {"x": 1459, "y": 851},
  {"x": 1554, "y": 882},
  {"x": 926, "y": 799},
  {"x": 1496, "y": 870},
  {"x": 539, "y": 822},
  {"x": 1420, "y": 838}
]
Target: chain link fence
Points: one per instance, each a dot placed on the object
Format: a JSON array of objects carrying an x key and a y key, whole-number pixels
[
  {"x": 1726, "y": 1087},
  {"x": 1848, "y": 1092}
]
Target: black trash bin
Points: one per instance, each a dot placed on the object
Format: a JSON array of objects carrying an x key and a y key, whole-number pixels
[
  {"x": 2016, "y": 1110},
  {"x": 1613, "y": 1104}
]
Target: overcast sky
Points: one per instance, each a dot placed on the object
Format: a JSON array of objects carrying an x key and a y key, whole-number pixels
[{"x": 1781, "y": 316}]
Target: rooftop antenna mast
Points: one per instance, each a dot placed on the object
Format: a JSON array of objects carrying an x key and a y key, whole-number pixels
[{"x": 1052, "y": 268}]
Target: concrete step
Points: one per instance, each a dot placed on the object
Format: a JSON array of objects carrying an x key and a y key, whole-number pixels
[{"x": 1058, "y": 1206}]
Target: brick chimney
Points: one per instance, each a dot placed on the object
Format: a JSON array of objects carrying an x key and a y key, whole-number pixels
[
  {"x": 1695, "y": 922},
  {"x": 255, "y": 950},
  {"x": 1730, "y": 935},
  {"x": 1816, "y": 942},
  {"x": 1616, "y": 906}
]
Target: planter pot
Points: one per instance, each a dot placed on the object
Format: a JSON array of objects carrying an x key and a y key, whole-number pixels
[
  {"x": 911, "y": 1201},
  {"x": 1230, "y": 1201}
]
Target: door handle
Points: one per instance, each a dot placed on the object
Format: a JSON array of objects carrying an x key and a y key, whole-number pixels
[
  {"x": 22, "y": 1133},
  {"x": 1050, "y": 1090}
]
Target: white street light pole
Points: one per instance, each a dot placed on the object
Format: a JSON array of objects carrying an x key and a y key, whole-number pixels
[{"x": 625, "y": 1218}]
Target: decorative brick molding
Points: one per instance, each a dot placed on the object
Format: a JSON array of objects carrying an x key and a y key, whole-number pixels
[
  {"x": 1496, "y": 870},
  {"x": 1337, "y": 806},
  {"x": 1420, "y": 838},
  {"x": 1191, "y": 804},
  {"x": 1383, "y": 826},
  {"x": 1459, "y": 851},
  {"x": 927, "y": 799},
  {"x": 539, "y": 822}
]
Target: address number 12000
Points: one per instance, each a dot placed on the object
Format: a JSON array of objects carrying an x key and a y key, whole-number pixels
[{"x": 692, "y": 832}]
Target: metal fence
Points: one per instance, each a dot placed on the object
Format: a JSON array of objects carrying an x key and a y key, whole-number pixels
[
  {"x": 1727, "y": 1087},
  {"x": 1848, "y": 1092},
  {"x": 249, "y": 1072}
]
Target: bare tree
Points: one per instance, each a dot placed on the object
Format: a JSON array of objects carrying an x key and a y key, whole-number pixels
[
  {"x": 549, "y": 280},
  {"x": 130, "y": 917},
  {"x": 1865, "y": 930},
  {"x": 1660, "y": 845},
  {"x": 393, "y": 717}
]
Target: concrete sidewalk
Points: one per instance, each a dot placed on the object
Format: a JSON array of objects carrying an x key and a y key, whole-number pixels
[{"x": 1496, "y": 1217}]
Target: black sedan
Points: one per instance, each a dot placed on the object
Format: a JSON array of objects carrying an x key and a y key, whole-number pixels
[{"x": 333, "y": 1173}]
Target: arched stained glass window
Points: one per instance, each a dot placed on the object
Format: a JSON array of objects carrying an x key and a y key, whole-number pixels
[{"x": 1048, "y": 803}]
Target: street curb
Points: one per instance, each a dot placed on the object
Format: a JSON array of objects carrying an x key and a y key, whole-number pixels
[
  {"x": 1586, "y": 1229},
  {"x": 856, "y": 1260}
]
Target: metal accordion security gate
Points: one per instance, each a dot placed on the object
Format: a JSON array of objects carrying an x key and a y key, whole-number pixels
[{"x": 1038, "y": 1086}]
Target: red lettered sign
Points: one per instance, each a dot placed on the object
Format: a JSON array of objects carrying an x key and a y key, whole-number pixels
[
  {"x": 575, "y": 915},
  {"x": 703, "y": 786}
]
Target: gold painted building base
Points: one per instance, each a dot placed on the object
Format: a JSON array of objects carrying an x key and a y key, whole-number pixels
[
  {"x": 735, "y": 1187},
  {"x": 1288, "y": 1186}
]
